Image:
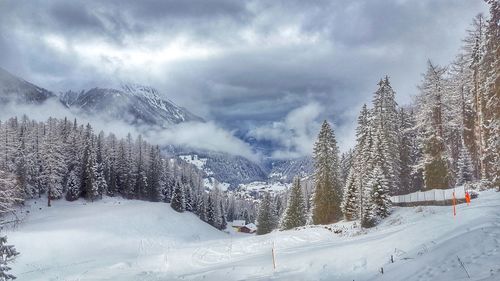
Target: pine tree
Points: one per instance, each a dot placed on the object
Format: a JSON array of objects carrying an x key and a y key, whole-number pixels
[
  {"x": 385, "y": 121},
  {"x": 73, "y": 187},
  {"x": 295, "y": 211},
  {"x": 178, "y": 200},
  {"x": 10, "y": 192},
  {"x": 465, "y": 167},
  {"x": 266, "y": 221},
  {"x": 102, "y": 185},
  {"x": 210, "y": 211},
  {"x": 351, "y": 202},
  {"x": 154, "y": 175},
  {"x": 7, "y": 255},
  {"x": 53, "y": 163},
  {"x": 327, "y": 195},
  {"x": 380, "y": 200}
]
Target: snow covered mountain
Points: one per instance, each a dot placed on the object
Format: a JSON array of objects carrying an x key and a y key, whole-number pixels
[
  {"x": 15, "y": 89},
  {"x": 286, "y": 170},
  {"x": 225, "y": 168},
  {"x": 134, "y": 104}
]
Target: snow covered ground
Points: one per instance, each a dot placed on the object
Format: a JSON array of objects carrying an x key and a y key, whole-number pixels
[{"x": 116, "y": 239}]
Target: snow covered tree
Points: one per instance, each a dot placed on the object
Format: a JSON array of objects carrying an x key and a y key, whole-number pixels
[
  {"x": 490, "y": 88},
  {"x": 73, "y": 184},
  {"x": 102, "y": 185},
  {"x": 53, "y": 162},
  {"x": 90, "y": 188},
  {"x": 178, "y": 200},
  {"x": 430, "y": 121},
  {"x": 10, "y": 192},
  {"x": 266, "y": 220},
  {"x": 385, "y": 121},
  {"x": 465, "y": 167},
  {"x": 351, "y": 202},
  {"x": 295, "y": 211},
  {"x": 328, "y": 193},
  {"x": 154, "y": 174},
  {"x": 7, "y": 255},
  {"x": 380, "y": 200}
]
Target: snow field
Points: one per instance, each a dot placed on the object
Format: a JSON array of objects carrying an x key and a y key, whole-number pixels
[{"x": 117, "y": 239}]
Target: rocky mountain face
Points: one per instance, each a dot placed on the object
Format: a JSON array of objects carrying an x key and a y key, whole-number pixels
[
  {"x": 134, "y": 104},
  {"x": 14, "y": 89}
]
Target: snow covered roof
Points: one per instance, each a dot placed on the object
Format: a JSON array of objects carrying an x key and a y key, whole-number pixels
[
  {"x": 238, "y": 223},
  {"x": 251, "y": 226}
]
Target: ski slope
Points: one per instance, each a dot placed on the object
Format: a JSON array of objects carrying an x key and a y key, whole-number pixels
[{"x": 116, "y": 239}]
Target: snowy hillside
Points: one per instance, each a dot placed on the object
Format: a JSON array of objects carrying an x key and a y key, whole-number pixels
[
  {"x": 16, "y": 89},
  {"x": 133, "y": 240},
  {"x": 134, "y": 104},
  {"x": 286, "y": 170},
  {"x": 225, "y": 168}
]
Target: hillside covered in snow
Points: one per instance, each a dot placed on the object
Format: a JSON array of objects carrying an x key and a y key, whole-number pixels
[{"x": 115, "y": 239}]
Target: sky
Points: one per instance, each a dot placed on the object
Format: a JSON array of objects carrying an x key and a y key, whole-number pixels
[{"x": 264, "y": 70}]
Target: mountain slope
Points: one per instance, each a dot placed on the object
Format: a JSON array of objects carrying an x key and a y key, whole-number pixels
[
  {"x": 116, "y": 239},
  {"x": 286, "y": 170},
  {"x": 134, "y": 104},
  {"x": 225, "y": 168},
  {"x": 14, "y": 89}
]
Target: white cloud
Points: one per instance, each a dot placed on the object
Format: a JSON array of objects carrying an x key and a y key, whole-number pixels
[
  {"x": 197, "y": 135},
  {"x": 295, "y": 134}
]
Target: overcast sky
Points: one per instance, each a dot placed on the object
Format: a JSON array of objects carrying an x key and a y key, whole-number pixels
[{"x": 272, "y": 69}]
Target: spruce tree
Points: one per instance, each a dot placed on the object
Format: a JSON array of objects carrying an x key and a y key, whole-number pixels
[
  {"x": 385, "y": 120},
  {"x": 351, "y": 202},
  {"x": 295, "y": 211},
  {"x": 73, "y": 187},
  {"x": 154, "y": 175},
  {"x": 266, "y": 221},
  {"x": 327, "y": 194},
  {"x": 7, "y": 255},
  {"x": 465, "y": 167},
  {"x": 380, "y": 199},
  {"x": 178, "y": 200}
]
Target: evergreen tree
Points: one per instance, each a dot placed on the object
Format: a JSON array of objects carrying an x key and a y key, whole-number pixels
[
  {"x": 73, "y": 187},
  {"x": 266, "y": 220},
  {"x": 154, "y": 174},
  {"x": 7, "y": 255},
  {"x": 327, "y": 195},
  {"x": 178, "y": 200},
  {"x": 385, "y": 120},
  {"x": 102, "y": 185},
  {"x": 10, "y": 192},
  {"x": 380, "y": 200},
  {"x": 350, "y": 203},
  {"x": 210, "y": 213},
  {"x": 53, "y": 163},
  {"x": 295, "y": 211},
  {"x": 465, "y": 167}
]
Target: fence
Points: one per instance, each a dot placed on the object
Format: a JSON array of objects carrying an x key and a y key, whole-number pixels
[{"x": 430, "y": 197}]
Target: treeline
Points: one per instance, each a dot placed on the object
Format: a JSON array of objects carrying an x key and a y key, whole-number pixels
[
  {"x": 63, "y": 159},
  {"x": 448, "y": 136}
]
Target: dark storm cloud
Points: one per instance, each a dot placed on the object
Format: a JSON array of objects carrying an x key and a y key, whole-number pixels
[{"x": 242, "y": 63}]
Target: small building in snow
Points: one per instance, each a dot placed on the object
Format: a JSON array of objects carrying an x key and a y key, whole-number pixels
[
  {"x": 238, "y": 224},
  {"x": 249, "y": 228}
]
